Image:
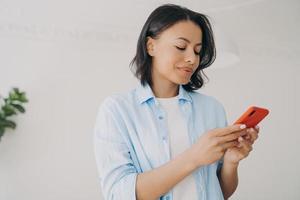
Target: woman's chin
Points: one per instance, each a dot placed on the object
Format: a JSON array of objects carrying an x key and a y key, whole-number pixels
[{"x": 183, "y": 81}]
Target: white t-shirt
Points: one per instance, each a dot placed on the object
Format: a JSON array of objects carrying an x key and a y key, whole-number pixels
[{"x": 179, "y": 142}]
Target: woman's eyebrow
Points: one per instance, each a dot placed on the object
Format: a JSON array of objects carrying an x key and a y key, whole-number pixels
[{"x": 182, "y": 38}]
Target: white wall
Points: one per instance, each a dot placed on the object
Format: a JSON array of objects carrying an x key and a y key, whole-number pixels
[{"x": 68, "y": 70}]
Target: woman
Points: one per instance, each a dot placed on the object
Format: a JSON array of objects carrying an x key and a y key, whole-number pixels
[{"x": 163, "y": 139}]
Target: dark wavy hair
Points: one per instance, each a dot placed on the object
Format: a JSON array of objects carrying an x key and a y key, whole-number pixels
[{"x": 161, "y": 19}]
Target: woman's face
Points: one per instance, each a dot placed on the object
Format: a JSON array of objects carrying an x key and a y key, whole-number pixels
[{"x": 175, "y": 53}]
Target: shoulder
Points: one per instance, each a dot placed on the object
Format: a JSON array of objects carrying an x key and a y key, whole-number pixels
[
  {"x": 118, "y": 101},
  {"x": 211, "y": 109},
  {"x": 205, "y": 100},
  {"x": 209, "y": 105}
]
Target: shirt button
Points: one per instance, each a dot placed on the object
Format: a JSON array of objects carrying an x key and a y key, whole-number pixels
[{"x": 160, "y": 117}]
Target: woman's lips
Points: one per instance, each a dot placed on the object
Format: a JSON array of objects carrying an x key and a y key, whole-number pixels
[{"x": 186, "y": 70}]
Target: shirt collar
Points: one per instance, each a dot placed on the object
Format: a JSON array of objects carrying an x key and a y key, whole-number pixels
[{"x": 144, "y": 93}]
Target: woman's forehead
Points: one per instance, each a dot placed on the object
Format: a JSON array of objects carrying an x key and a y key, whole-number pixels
[{"x": 185, "y": 30}]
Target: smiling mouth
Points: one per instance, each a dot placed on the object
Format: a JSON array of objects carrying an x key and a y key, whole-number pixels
[{"x": 186, "y": 69}]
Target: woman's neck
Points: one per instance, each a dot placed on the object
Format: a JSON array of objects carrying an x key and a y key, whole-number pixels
[{"x": 165, "y": 90}]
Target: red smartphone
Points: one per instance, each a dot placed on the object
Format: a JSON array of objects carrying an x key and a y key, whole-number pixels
[{"x": 252, "y": 116}]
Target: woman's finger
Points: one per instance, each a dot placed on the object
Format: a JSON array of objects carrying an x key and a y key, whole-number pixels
[
  {"x": 257, "y": 128},
  {"x": 228, "y": 145},
  {"x": 229, "y": 129},
  {"x": 247, "y": 137},
  {"x": 245, "y": 145},
  {"x": 233, "y": 136},
  {"x": 253, "y": 134}
]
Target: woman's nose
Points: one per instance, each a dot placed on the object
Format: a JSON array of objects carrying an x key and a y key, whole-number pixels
[{"x": 191, "y": 57}]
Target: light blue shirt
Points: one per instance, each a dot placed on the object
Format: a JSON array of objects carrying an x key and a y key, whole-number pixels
[{"x": 131, "y": 137}]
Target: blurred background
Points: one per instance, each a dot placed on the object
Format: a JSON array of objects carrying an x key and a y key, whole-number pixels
[{"x": 69, "y": 55}]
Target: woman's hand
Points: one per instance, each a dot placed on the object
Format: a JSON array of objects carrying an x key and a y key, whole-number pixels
[
  {"x": 212, "y": 145},
  {"x": 235, "y": 154}
]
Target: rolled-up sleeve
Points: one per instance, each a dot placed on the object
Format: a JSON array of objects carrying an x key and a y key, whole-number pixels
[{"x": 116, "y": 171}]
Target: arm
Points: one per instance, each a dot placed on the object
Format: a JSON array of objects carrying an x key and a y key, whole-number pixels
[
  {"x": 209, "y": 148},
  {"x": 228, "y": 178},
  {"x": 117, "y": 173},
  {"x": 157, "y": 182},
  {"x": 228, "y": 175}
]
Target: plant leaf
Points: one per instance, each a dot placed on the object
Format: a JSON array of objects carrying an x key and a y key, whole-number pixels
[
  {"x": 23, "y": 98},
  {"x": 8, "y": 110},
  {"x": 13, "y": 95},
  {"x": 7, "y": 123},
  {"x": 19, "y": 107},
  {"x": 16, "y": 95},
  {"x": 16, "y": 90}
]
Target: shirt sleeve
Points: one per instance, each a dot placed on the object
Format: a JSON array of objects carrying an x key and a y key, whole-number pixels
[
  {"x": 222, "y": 123},
  {"x": 116, "y": 171}
]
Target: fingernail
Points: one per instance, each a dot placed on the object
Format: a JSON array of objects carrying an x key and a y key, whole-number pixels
[
  {"x": 241, "y": 139},
  {"x": 242, "y": 126}
]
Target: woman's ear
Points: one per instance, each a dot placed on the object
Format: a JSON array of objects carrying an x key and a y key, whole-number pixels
[{"x": 150, "y": 46}]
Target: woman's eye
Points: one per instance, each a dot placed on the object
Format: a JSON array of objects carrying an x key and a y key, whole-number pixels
[
  {"x": 183, "y": 48},
  {"x": 180, "y": 48}
]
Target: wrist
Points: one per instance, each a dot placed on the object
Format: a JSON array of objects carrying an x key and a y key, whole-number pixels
[
  {"x": 230, "y": 164},
  {"x": 192, "y": 161}
]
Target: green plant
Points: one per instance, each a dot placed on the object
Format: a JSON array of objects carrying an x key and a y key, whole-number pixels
[{"x": 11, "y": 106}]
